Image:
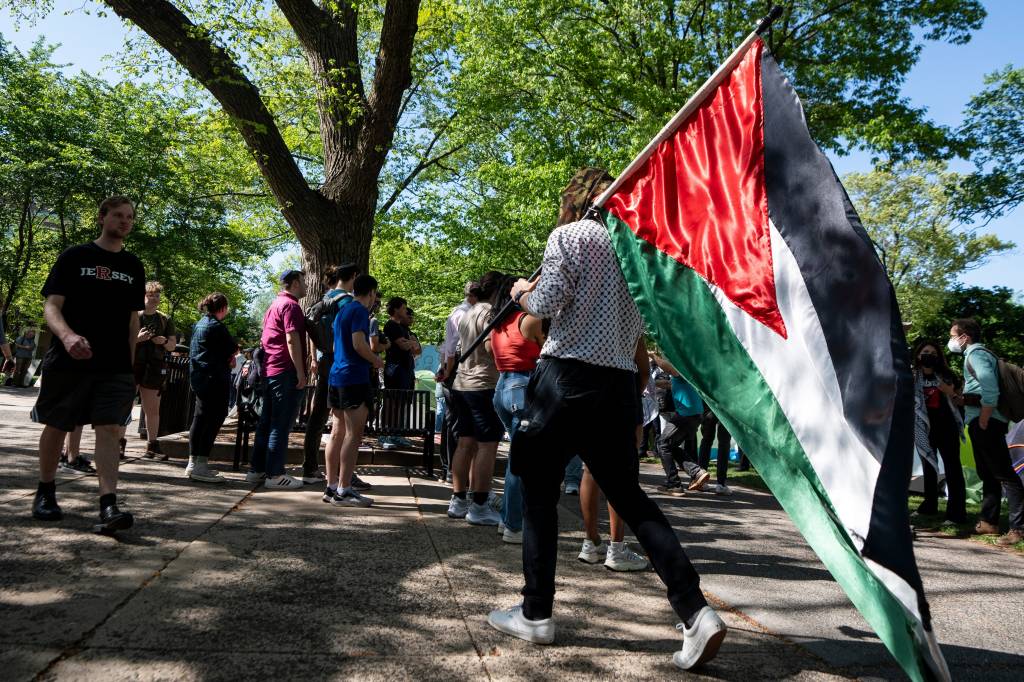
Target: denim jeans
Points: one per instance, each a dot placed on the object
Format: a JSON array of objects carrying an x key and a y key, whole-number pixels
[
  {"x": 280, "y": 406},
  {"x": 509, "y": 400}
]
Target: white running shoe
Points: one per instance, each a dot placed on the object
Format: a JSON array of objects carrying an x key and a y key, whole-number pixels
[
  {"x": 202, "y": 472},
  {"x": 621, "y": 558},
  {"x": 501, "y": 527},
  {"x": 722, "y": 489},
  {"x": 255, "y": 477},
  {"x": 457, "y": 509},
  {"x": 482, "y": 515},
  {"x": 351, "y": 498},
  {"x": 513, "y": 622},
  {"x": 512, "y": 537},
  {"x": 591, "y": 553},
  {"x": 282, "y": 482},
  {"x": 701, "y": 642}
]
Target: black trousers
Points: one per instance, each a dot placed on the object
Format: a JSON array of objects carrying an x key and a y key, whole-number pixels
[
  {"x": 992, "y": 459},
  {"x": 317, "y": 420},
  {"x": 564, "y": 401},
  {"x": 944, "y": 438},
  {"x": 677, "y": 445},
  {"x": 708, "y": 426},
  {"x": 211, "y": 411}
]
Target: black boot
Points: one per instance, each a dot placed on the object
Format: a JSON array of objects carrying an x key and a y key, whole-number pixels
[
  {"x": 113, "y": 519},
  {"x": 45, "y": 507}
]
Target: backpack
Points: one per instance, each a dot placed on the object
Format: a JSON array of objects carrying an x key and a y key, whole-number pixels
[
  {"x": 320, "y": 321},
  {"x": 249, "y": 390},
  {"x": 1011, "y": 386}
]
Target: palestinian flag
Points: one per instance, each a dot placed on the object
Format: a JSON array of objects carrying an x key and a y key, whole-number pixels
[{"x": 753, "y": 272}]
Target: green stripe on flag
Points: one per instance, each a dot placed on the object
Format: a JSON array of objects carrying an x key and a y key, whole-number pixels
[{"x": 692, "y": 330}]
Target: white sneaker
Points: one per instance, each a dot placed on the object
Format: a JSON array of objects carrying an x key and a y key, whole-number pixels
[
  {"x": 722, "y": 489},
  {"x": 200, "y": 472},
  {"x": 621, "y": 558},
  {"x": 701, "y": 642},
  {"x": 282, "y": 482},
  {"x": 512, "y": 622},
  {"x": 591, "y": 553},
  {"x": 512, "y": 537},
  {"x": 501, "y": 527},
  {"x": 482, "y": 515},
  {"x": 457, "y": 509},
  {"x": 255, "y": 476},
  {"x": 351, "y": 498}
]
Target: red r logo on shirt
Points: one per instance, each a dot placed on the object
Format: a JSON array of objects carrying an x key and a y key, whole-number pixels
[{"x": 102, "y": 272}]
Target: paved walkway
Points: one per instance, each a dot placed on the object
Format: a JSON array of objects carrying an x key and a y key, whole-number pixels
[{"x": 230, "y": 583}]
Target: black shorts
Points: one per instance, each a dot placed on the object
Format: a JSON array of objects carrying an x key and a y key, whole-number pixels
[
  {"x": 350, "y": 397},
  {"x": 68, "y": 400},
  {"x": 149, "y": 375},
  {"x": 475, "y": 416}
]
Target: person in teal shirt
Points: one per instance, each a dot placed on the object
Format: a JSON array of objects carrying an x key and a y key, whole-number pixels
[{"x": 987, "y": 427}]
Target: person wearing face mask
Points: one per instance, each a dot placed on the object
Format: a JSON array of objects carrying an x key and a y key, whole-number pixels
[
  {"x": 938, "y": 429},
  {"x": 987, "y": 427}
]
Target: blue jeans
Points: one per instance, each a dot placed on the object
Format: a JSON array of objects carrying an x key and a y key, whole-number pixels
[
  {"x": 509, "y": 399},
  {"x": 280, "y": 406},
  {"x": 574, "y": 473},
  {"x": 439, "y": 416}
]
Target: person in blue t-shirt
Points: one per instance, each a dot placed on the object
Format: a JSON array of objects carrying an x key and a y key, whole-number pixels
[{"x": 350, "y": 392}]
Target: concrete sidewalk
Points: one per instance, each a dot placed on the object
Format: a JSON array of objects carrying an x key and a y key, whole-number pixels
[{"x": 230, "y": 583}]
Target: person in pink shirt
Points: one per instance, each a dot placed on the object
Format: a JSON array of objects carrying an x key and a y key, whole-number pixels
[{"x": 284, "y": 372}]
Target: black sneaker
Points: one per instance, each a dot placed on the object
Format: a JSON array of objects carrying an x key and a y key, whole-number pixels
[
  {"x": 45, "y": 507},
  {"x": 359, "y": 484},
  {"x": 153, "y": 451},
  {"x": 113, "y": 519},
  {"x": 81, "y": 465},
  {"x": 329, "y": 495},
  {"x": 123, "y": 443}
]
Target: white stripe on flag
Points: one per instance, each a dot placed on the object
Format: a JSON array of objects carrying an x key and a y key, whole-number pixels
[{"x": 800, "y": 373}]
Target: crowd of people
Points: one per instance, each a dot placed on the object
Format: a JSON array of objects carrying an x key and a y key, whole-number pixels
[{"x": 569, "y": 355}]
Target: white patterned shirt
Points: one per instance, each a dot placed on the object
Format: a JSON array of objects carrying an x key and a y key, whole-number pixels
[{"x": 581, "y": 289}]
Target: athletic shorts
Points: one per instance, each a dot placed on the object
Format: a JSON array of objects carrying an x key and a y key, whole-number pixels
[
  {"x": 149, "y": 375},
  {"x": 475, "y": 416},
  {"x": 68, "y": 400},
  {"x": 350, "y": 397}
]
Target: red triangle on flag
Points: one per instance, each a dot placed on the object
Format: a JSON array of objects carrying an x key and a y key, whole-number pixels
[{"x": 700, "y": 198}]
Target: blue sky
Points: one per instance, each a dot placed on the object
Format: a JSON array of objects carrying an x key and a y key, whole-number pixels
[{"x": 943, "y": 81}]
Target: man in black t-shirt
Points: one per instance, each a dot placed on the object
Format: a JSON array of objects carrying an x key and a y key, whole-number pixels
[
  {"x": 93, "y": 293},
  {"x": 398, "y": 361}
]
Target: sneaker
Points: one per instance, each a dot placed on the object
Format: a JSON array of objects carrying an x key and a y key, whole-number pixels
[
  {"x": 721, "y": 489},
  {"x": 123, "y": 443},
  {"x": 482, "y": 515},
  {"x": 512, "y": 537},
  {"x": 203, "y": 473},
  {"x": 591, "y": 553},
  {"x": 701, "y": 642},
  {"x": 79, "y": 466},
  {"x": 675, "y": 489},
  {"x": 698, "y": 482},
  {"x": 620, "y": 557},
  {"x": 387, "y": 444},
  {"x": 494, "y": 501},
  {"x": 986, "y": 528},
  {"x": 255, "y": 476},
  {"x": 45, "y": 507},
  {"x": 329, "y": 494},
  {"x": 572, "y": 489},
  {"x": 153, "y": 451},
  {"x": 403, "y": 442},
  {"x": 513, "y": 622},
  {"x": 282, "y": 482},
  {"x": 359, "y": 484},
  {"x": 1011, "y": 538},
  {"x": 314, "y": 477},
  {"x": 113, "y": 519},
  {"x": 351, "y": 498},
  {"x": 457, "y": 509}
]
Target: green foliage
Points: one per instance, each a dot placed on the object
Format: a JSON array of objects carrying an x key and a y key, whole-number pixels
[
  {"x": 66, "y": 143},
  {"x": 994, "y": 128},
  {"x": 1000, "y": 316},
  {"x": 907, "y": 212}
]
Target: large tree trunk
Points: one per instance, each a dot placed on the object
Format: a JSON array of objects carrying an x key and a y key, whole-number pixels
[{"x": 338, "y": 233}]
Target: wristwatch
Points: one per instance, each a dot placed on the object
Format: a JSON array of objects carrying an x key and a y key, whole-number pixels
[{"x": 518, "y": 296}]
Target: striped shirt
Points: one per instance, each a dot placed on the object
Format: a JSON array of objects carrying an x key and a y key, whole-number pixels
[{"x": 582, "y": 291}]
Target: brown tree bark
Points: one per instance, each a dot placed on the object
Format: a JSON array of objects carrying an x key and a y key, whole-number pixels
[{"x": 333, "y": 224}]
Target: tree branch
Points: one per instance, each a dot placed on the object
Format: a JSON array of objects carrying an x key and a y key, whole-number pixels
[{"x": 194, "y": 48}]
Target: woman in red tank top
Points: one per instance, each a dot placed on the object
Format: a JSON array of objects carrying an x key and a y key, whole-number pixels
[{"x": 516, "y": 345}]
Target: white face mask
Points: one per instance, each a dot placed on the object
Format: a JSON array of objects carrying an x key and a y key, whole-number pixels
[{"x": 954, "y": 346}]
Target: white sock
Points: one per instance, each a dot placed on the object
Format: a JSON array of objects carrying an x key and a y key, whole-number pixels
[{"x": 618, "y": 546}]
